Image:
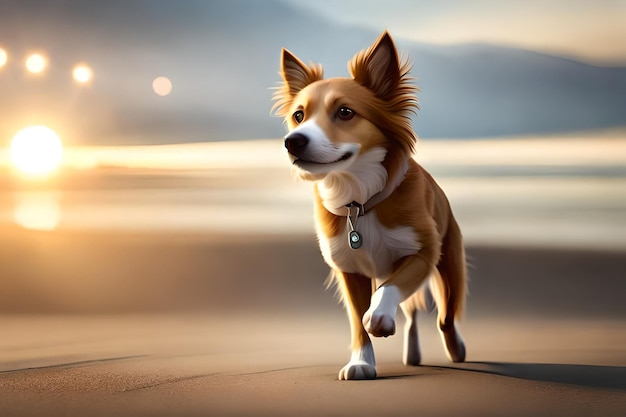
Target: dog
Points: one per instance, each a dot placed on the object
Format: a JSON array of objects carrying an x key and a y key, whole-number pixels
[{"x": 384, "y": 226}]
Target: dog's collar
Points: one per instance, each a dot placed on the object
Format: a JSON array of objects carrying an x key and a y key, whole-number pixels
[{"x": 376, "y": 199}]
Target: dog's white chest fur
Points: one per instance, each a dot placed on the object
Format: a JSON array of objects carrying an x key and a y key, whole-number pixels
[{"x": 381, "y": 248}]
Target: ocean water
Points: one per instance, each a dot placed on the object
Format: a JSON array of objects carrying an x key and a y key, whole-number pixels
[{"x": 567, "y": 191}]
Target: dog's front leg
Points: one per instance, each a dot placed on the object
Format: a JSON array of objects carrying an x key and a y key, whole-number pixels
[
  {"x": 356, "y": 291},
  {"x": 380, "y": 318}
]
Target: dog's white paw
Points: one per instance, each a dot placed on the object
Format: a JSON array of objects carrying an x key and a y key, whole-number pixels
[
  {"x": 380, "y": 319},
  {"x": 356, "y": 370},
  {"x": 379, "y": 324},
  {"x": 362, "y": 364}
]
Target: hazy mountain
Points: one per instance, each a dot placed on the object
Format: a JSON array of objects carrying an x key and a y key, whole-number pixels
[{"x": 222, "y": 57}]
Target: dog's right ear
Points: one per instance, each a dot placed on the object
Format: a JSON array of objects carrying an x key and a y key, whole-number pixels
[{"x": 296, "y": 75}]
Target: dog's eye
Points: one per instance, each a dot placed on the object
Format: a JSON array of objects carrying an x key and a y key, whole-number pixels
[
  {"x": 345, "y": 113},
  {"x": 298, "y": 116}
]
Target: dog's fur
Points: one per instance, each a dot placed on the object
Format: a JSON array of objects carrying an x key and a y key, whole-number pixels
[{"x": 353, "y": 138}]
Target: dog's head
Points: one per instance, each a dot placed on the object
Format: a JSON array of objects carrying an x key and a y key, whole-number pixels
[{"x": 333, "y": 122}]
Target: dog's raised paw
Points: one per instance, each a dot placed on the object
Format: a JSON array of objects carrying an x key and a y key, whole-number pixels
[
  {"x": 379, "y": 324},
  {"x": 380, "y": 319},
  {"x": 357, "y": 371}
]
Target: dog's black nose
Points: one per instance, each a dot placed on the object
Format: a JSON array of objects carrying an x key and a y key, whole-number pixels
[{"x": 296, "y": 143}]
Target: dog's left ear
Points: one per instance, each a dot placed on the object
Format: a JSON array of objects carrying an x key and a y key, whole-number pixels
[{"x": 377, "y": 68}]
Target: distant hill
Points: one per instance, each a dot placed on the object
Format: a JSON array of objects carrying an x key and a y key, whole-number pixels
[{"x": 222, "y": 57}]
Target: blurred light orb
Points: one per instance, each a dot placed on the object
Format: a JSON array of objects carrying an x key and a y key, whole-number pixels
[
  {"x": 36, "y": 151},
  {"x": 4, "y": 57},
  {"x": 36, "y": 63},
  {"x": 162, "y": 86},
  {"x": 82, "y": 73}
]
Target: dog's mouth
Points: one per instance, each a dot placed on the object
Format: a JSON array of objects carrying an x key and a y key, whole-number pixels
[
  {"x": 311, "y": 169},
  {"x": 301, "y": 161}
]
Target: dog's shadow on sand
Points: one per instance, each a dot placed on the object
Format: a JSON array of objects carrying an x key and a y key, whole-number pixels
[{"x": 591, "y": 376}]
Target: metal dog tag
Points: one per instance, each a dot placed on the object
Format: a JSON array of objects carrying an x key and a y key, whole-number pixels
[{"x": 355, "y": 239}]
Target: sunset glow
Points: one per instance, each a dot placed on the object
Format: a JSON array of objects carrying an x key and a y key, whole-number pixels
[
  {"x": 36, "y": 151},
  {"x": 37, "y": 211}
]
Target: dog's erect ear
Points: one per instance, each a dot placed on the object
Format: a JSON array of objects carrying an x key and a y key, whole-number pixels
[
  {"x": 381, "y": 71},
  {"x": 296, "y": 74},
  {"x": 377, "y": 68}
]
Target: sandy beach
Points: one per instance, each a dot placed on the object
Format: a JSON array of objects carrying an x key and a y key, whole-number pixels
[{"x": 151, "y": 324}]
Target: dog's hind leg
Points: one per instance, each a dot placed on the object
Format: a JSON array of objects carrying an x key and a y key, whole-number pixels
[
  {"x": 411, "y": 354},
  {"x": 356, "y": 291},
  {"x": 449, "y": 291},
  {"x": 421, "y": 300}
]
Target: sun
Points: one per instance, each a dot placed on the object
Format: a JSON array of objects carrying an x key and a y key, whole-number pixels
[{"x": 36, "y": 151}]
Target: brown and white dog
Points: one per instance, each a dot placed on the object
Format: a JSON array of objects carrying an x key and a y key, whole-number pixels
[{"x": 384, "y": 226}]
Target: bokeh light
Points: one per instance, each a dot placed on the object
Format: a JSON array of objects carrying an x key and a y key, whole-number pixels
[
  {"x": 4, "y": 57},
  {"x": 36, "y": 151},
  {"x": 162, "y": 86},
  {"x": 36, "y": 63},
  {"x": 82, "y": 73}
]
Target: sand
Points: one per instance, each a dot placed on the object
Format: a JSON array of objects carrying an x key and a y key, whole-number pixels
[{"x": 147, "y": 324}]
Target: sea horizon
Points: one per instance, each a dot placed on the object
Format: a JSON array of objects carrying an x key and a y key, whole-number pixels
[{"x": 557, "y": 191}]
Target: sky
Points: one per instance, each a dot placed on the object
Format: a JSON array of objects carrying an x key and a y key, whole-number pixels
[
  {"x": 220, "y": 59},
  {"x": 593, "y": 30}
]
